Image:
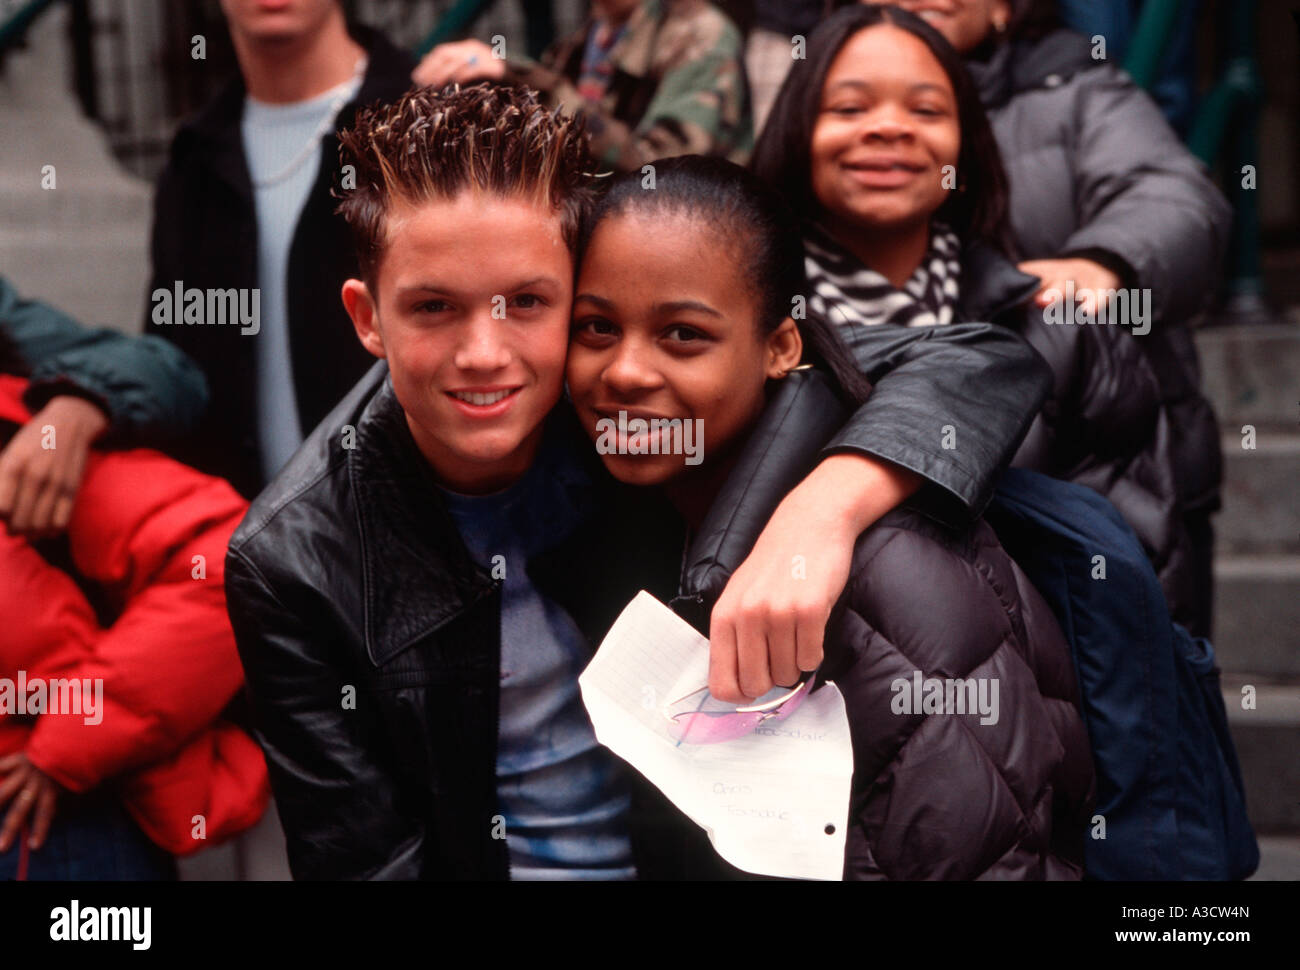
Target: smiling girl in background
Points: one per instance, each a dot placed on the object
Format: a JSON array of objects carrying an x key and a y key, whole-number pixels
[{"x": 880, "y": 139}]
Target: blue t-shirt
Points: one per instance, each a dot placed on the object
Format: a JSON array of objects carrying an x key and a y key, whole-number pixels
[{"x": 562, "y": 794}]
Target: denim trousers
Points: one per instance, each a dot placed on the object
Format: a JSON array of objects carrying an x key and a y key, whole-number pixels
[{"x": 92, "y": 838}]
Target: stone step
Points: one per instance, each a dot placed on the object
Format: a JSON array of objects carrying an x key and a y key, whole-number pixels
[
  {"x": 1257, "y": 615},
  {"x": 1261, "y": 496},
  {"x": 1252, "y": 375},
  {"x": 1267, "y": 739},
  {"x": 79, "y": 200},
  {"x": 1279, "y": 858},
  {"x": 257, "y": 855}
]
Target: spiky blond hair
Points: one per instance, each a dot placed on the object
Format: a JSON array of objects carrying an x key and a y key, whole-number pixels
[{"x": 432, "y": 145}]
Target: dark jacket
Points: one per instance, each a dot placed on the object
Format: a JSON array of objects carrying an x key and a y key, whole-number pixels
[
  {"x": 1105, "y": 424},
  {"x": 348, "y": 570},
  {"x": 934, "y": 796},
  {"x": 205, "y": 234},
  {"x": 349, "y": 575},
  {"x": 924, "y": 381},
  {"x": 1096, "y": 171},
  {"x": 150, "y": 391}
]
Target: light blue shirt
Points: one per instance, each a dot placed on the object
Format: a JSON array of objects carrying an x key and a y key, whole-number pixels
[
  {"x": 274, "y": 136},
  {"x": 563, "y": 795}
]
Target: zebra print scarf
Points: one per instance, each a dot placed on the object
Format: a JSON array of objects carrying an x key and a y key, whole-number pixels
[{"x": 844, "y": 291}]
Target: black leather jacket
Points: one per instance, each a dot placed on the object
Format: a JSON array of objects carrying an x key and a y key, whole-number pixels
[
  {"x": 370, "y": 641},
  {"x": 348, "y": 579}
]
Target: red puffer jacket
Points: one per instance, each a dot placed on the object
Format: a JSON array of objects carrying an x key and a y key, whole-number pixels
[{"x": 150, "y": 535}]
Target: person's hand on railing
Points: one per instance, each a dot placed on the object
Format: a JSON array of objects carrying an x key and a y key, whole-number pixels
[
  {"x": 462, "y": 62},
  {"x": 42, "y": 466}
]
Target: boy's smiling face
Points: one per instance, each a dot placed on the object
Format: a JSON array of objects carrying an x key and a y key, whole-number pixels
[{"x": 472, "y": 314}]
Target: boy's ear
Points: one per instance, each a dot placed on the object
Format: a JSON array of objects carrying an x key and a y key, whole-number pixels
[
  {"x": 361, "y": 307},
  {"x": 784, "y": 349}
]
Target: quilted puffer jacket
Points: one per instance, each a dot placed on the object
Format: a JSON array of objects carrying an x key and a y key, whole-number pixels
[
  {"x": 132, "y": 599},
  {"x": 936, "y": 795},
  {"x": 1105, "y": 425},
  {"x": 1095, "y": 171}
]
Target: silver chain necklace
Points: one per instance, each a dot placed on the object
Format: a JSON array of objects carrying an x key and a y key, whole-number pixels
[{"x": 313, "y": 140}]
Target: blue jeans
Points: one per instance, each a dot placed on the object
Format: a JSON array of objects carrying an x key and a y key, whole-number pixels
[
  {"x": 92, "y": 838},
  {"x": 1175, "y": 87}
]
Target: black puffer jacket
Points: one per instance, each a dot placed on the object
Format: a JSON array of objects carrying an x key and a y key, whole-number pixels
[
  {"x": 1105, "y": 424},
  {"x": 1096, "y": 171},
  {"x": 935, "y": 796}
]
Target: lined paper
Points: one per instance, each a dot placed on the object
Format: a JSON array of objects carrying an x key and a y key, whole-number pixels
[{"x": 774, "y": 802}]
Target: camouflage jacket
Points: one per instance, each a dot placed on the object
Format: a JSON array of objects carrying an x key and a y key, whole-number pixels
[{"x": 678, "y": 86}]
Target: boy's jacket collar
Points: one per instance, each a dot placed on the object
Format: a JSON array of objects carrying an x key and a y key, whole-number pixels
[{"x": 408, "y": 593}]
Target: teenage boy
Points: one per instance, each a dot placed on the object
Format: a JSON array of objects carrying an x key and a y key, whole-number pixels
[
  {"x": 414, "y": 596},
  {"x": 243, "y": 207}
]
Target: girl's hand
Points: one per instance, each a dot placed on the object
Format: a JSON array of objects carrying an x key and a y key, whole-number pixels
[
  {"x": 38, "y": 484},
  {"x": 31, "y": 794},
  {"x": 770, "y": 621},
  {"x": 1088, "y": 277}
]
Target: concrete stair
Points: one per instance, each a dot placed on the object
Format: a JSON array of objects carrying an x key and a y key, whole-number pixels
[
  {"x": 81, "y": 246},
  {"x": 1252, "y": 375}
]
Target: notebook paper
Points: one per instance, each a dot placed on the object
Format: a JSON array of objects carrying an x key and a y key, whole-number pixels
[{"x": 774, "y": 802}]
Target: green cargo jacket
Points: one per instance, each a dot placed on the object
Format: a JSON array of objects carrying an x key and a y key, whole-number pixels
[
  {"x": 151, "y": 392},
  {"x": 678, "y": 87}
]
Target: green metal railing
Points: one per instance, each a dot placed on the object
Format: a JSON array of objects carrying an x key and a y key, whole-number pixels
[
  {"x": 453, "y": 23},
  {"x": 539, "y": 25},
  {"x": 15, "y": 27},
  {"x": 1226, "y": 128},
  {"x": 1151, "y": 37}
]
